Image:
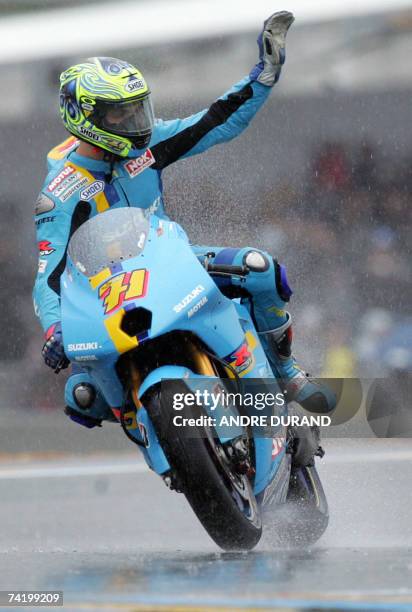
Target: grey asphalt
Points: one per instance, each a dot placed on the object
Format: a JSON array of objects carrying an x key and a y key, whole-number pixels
[{"x": 109, "y": 534}]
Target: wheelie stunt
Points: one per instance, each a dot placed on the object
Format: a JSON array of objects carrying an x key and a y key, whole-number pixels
[{"x": 102, "y": 281}]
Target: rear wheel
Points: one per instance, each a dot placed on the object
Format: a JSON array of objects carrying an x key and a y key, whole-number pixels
[
  {"x": 304, "y": 517},
  {"x": 221, "y": 498},
  {"x": 307, "y": 498}
]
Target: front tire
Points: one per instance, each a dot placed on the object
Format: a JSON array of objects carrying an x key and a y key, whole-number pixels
[{"x": 222, "y": 500}]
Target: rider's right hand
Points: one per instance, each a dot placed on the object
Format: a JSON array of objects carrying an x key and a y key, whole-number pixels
[
  {"x": 271, "y": 43},
  {"x": 53, "y": 349}
]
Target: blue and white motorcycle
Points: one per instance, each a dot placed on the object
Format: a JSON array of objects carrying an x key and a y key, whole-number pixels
[{"x": 139, "y": 308}]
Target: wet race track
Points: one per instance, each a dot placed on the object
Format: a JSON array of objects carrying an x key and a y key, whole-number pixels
[{"x": 110, "y": 535}]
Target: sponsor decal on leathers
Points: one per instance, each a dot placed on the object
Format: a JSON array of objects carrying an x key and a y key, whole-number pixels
[
  {"x": 151, "y": 210},
  {"x": 89, "y": 192},
  {"x": 60, "y": 178},
  {"x": 75, "y": 187},
  {"x": 45, "y": 248},
  {"x": 42, "y": 266},
  {"x": 72, "y": 178},
  {"x": 137, "y": 165}
]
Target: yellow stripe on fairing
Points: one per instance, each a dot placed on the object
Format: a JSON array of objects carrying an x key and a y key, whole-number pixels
[
  {"x": 101, "y": 201},
  {"x": 120, "y": 339},
  {"x": 251, "y": 340},
  {"x": 98, "y": 278}
]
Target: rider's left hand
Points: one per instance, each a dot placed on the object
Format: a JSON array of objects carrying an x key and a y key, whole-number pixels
[
  {"x": 271, "y": 44},
  {"x": 53, "y": 349}
]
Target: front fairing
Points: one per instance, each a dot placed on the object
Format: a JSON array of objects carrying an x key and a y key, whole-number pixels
[{"x": 165, "y": 278}]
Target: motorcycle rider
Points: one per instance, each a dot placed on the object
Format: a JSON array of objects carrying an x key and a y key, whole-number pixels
[{"x": 114, "y": 158}]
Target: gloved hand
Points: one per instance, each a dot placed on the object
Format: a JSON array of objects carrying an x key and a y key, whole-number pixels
[
  {"x": 53, "y": 350},
  {"x": 271, "y": 43}
]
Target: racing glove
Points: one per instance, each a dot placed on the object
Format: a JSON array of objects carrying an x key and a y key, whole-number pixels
[
  {"x": 271, "y": 43},
  {"x": 53, "y": 349}
]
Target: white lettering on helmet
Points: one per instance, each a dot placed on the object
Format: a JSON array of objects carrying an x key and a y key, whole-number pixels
[
  {"x": 133, "y": 85},
  {"x": 188, "y": 298},
  {"x": 84, "y": 131}
]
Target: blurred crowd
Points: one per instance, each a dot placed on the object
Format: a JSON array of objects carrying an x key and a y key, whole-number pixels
[{"x": 346, "y": 238}]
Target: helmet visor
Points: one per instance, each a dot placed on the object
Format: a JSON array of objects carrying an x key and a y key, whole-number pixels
[{"x": 131, "y": 118}]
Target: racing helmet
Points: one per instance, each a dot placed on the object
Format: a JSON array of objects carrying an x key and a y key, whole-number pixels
[{"x": 106, "y": 102}]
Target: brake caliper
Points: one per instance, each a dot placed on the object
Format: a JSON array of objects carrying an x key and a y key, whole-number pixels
[{"x": 238, "y": 454}]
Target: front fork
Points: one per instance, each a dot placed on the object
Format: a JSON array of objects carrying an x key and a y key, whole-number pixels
[
  {"x": 253, "y": 457},
  {"x": 138, "y": 427}
]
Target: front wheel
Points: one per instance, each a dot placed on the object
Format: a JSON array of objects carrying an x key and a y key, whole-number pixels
[{"x": 221, "y": 498}]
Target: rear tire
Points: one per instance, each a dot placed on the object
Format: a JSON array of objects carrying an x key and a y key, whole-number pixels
[
  {"x": 307, "y": 496},
  {"x": 303, "y": 519},
  {"x": 222, "y": 500}
]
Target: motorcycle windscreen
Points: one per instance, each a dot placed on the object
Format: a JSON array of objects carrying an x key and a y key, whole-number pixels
[{"x": 108, "y": 239}]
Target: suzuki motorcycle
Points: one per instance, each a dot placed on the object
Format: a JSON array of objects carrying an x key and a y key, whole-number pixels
[{"x": 140, "y": 308}]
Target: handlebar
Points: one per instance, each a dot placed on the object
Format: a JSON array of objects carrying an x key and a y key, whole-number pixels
[{"x": 226, "y": 270}]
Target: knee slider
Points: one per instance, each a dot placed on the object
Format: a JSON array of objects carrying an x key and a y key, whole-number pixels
[
  {"x": 256, "y": 261},
  {"x": 281, "y": 280}
]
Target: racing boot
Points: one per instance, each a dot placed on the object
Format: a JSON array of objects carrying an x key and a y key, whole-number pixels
[
  {"x": 303, "y": 441},
  {"x": 311, "y": 395},
  {"x": 85, "y": 404}
]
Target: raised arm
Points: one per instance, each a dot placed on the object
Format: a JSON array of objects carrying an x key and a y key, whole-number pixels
[{"x": 228, "y": 116}]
